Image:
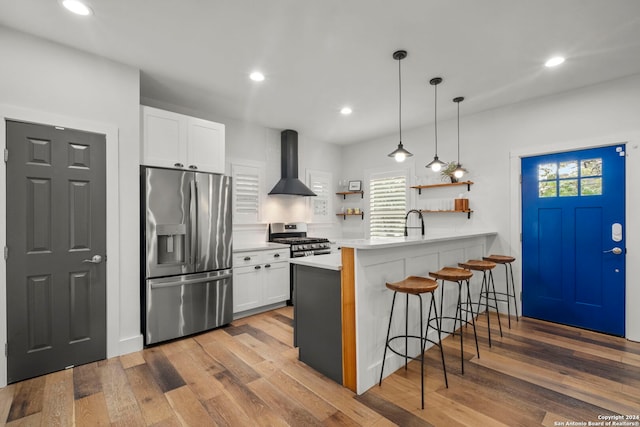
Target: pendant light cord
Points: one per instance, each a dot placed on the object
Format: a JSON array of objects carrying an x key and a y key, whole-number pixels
[
  {"x": 435, "y": 115},
  {"x": 400, "y": 100},
  {"x": 458, "y": 132}
]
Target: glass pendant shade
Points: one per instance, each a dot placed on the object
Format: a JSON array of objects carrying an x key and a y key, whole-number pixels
[
  {"x": 400, "y": 154},
  {"x": 459, "y": 171},
  {"x": 436, "y": 164}
]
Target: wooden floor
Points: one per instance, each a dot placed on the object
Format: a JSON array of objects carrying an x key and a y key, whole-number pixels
[{"x": 248, "y": 374}]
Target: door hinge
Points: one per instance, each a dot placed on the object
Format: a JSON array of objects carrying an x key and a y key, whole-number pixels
[
  {"x": 6, "y": 155},
  {"x": 521, "y": 237},
  {"x": 6, "y": 253},
  {"x": 520, "y": 178},
  {"x": 6, "y": 349}
]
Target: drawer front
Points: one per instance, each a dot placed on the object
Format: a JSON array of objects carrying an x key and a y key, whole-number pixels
[
  {"x": 275, "y": 255},
  {"x": 247, "y": 258}
]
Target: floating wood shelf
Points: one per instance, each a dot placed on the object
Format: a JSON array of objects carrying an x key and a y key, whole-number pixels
[
  {"x": 444, "y": 184},
  {"x": 344, "y": 194},
  {"x": 345, "y": 215},
  {"x": 468, "y": 212}
]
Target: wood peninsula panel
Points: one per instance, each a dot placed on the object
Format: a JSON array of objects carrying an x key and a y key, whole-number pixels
[{"x": 349, "y": 378}]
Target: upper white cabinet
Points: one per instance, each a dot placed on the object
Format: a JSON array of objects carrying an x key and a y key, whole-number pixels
[{"x": 177, "y": 141}]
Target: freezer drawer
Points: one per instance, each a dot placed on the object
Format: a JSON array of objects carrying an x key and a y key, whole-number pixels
[{"x": 183, "y": 305}]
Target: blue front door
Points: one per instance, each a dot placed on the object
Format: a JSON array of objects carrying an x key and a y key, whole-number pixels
[{"x": 573, "y": 238}]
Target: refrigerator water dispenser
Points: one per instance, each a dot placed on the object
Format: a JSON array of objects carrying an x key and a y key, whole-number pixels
[{"x": 171, "y": 246}]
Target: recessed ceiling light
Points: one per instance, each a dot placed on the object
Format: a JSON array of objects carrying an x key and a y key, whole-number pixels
[
  {"x": 555, "y": 61},
  {"x": 256, "y": 76},
  {"x": 345, "y": 111},
  {"x": 77, "y": 7}
]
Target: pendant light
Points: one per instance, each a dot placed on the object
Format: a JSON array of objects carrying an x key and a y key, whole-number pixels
[
  {"x": 459, "y": 171},
  {"x": 436, "y": 164},
  {"x": 400, "y": 153}
]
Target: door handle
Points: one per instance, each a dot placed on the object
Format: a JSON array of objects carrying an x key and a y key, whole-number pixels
[
  {"x": 96, "y": 259},
  {"x": 616, "y": 251}
]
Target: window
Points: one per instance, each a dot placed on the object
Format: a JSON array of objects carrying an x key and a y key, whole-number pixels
[
  {"x": 320, "y": 206},
  {"x": 247, "y": 185},
  {"x": 387, "y": 204},
  {"x": 570, "y": 178}
]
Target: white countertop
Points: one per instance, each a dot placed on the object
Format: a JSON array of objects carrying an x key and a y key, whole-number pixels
[
  {"x": 258, "y": 246},
  {"x": 332, "y": 261},
  {"x": 392, "y": 242}
]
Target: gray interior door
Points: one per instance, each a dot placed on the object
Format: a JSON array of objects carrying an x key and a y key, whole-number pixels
[{"x": 56, "y": 239}]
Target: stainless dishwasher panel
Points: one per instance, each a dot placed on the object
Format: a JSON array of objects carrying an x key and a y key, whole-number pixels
[{"x": 183, "y": 305}]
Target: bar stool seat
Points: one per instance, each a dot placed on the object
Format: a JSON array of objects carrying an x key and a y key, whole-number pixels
[
  {"x": 510, "y": 294},
  {"x": 459, "y": 276},
  {"x": 414, "y": 285},
  {"x": 487, "y": 279}
]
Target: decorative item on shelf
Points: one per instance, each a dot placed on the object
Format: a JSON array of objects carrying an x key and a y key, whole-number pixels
[
  {"x": 459, "y": 171},
  {"x": 461, "y": 204},
  {"x": 400, "y": 153},
  {"x": 436, "y": 164},
  {"x": 355, "y": 185},
  {"x": 351, "y": 212}
]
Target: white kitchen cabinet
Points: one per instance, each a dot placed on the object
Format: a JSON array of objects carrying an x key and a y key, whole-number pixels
[
  {"x": 177, "y": 141},
  {"x": 276, "y": 283},
  {"x": 260, "y": 280},
  {"x": 246, "y": 288}
]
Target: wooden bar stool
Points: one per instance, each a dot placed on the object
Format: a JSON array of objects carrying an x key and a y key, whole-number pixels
[
  {"x": 487, "y": 277},
  {"x": 414, "y": 285},
  {"x": 511, "y": 292},
  {"x": 459, "y": 276}
]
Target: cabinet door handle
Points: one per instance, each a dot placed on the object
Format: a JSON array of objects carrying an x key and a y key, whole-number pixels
[
  {"x": 267, "y": 265},
  {"x": 257, "y": 267},
  {"x": 276, "y": 255},
  {"x": 193, "y": 167},
  {"x": 247, "y": 258},
  {"x": 178, "y": 165}
]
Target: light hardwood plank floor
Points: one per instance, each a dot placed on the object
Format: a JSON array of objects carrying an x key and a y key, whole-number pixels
[{"x": 248, "y": 374}]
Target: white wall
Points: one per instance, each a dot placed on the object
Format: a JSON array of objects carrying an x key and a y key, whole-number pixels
[
  {"x": 50, "y": 82},
  {"x": 602, "y": 114}
]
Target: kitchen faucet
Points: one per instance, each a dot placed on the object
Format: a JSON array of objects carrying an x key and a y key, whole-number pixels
[{"x": 407, "y": 217}]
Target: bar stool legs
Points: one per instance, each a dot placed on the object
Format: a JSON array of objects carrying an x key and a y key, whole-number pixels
[
  {"x": 510, "y": 284},
  {"x": 459, "y": 276},
  {"x": 416, "y": 286},
  {"x": 488, "y": 286}
]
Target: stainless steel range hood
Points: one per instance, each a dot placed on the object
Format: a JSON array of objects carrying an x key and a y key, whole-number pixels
[{"x": 289, "y": 182}]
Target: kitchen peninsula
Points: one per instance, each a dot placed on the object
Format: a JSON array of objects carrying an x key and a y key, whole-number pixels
[{"x": 365, "y": 266}]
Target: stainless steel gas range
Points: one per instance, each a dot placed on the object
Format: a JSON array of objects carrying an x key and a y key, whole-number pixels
[{"x": 295, "y": 235}]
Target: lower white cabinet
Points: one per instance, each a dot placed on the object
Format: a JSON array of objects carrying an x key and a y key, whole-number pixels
[
  {"x": 276, "y": 282},
  {"x": 260, "y": 279}
]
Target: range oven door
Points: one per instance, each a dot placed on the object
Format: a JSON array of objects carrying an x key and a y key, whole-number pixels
[{"x": 183, "y": 305}]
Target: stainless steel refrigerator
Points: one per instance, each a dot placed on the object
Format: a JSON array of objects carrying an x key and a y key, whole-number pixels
[{"x": 186, "y": 252}]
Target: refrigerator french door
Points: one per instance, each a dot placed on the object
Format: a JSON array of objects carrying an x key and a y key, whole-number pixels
[{"x": 187, "y": 252}]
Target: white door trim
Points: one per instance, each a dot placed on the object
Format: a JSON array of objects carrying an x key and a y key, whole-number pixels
[
  {"x": 113, "y": 218},
  {"x": 632, "y": 184}
]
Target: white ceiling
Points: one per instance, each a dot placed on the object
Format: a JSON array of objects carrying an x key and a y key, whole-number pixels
[{"x": 319, "y": 55}]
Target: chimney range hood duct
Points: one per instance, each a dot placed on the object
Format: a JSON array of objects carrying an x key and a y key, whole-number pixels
[{"x": 289, "y": 182}]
